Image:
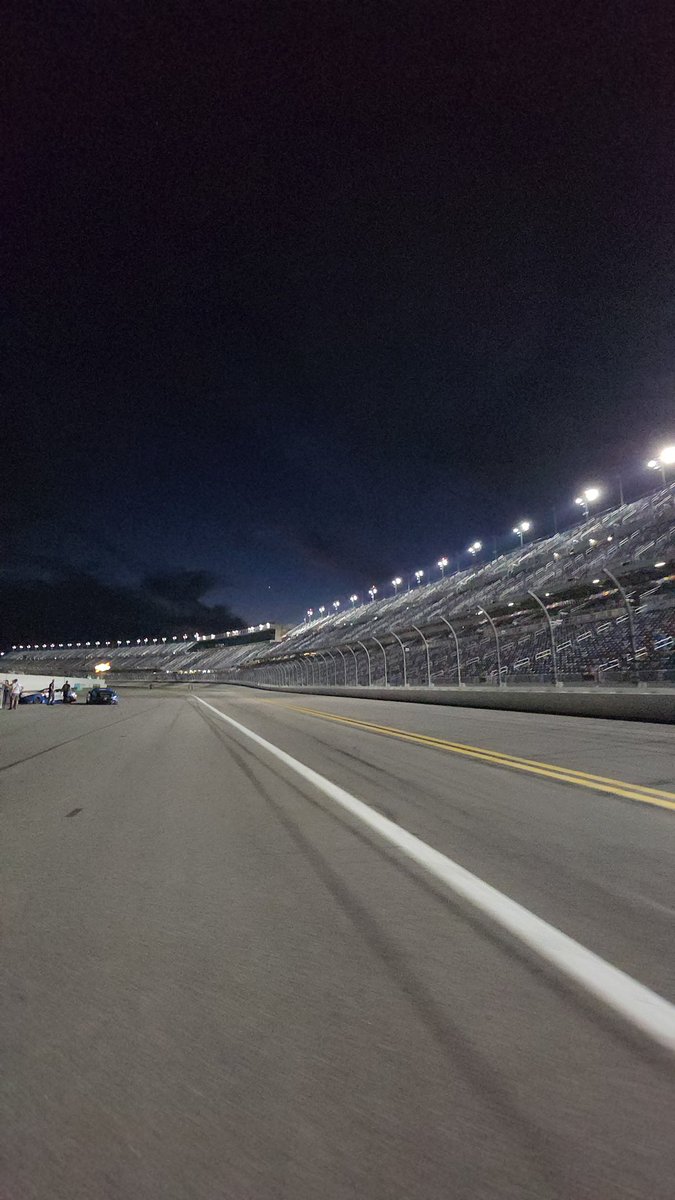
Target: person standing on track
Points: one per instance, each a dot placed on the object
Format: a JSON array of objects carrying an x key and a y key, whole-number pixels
[
  {"x": 6, "y": 694},
  {"x": 50, "y": 693},
  {"x": 16, "y": 694},
  {"x": 65, "y": 690}
]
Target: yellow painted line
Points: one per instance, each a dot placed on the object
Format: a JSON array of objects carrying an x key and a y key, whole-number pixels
[{"x": 598, "y": 783}]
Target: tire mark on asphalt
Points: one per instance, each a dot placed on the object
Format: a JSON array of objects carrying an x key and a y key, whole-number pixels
[{"x": 78, "y": 736}]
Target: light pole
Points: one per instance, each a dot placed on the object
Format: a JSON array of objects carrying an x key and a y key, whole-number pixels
[
  {"x": 521, "y": 529},
  {"x": 442, "y": 564},
  {"x": 475, "y": 548},
  {"x": 419, "y": 576},
  {"x": 322, "y": 610},
  {"x": 352, "y": 600},
  {"x": 396, "y": 583},
  {"x": 310, "y": 613},
  {"x": 666, "y": 458},
  {"x": 372, "y": 592},
  {"x": 588, "y": 497},
  {"x": 336, "y": 605}
]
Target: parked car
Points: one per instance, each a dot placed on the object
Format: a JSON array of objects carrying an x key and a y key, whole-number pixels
[
  {"x": 32, "y": 698},
  {"x": 103, "y": 695}
]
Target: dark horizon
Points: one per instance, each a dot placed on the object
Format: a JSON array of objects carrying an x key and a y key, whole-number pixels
[{"x": 301, "y": 299}]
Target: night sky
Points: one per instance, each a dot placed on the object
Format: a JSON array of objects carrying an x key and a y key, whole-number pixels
[{"x": 300, "y": 295}]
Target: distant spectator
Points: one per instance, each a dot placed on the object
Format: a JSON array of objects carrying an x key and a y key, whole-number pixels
[
  {"x": 16, "y": 694},
  {"x": 6, "y": 694},
  {"x": 50, "y": 693}
]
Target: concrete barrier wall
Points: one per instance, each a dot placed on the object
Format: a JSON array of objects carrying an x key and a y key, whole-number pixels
[{"x": 639, "y": 704}]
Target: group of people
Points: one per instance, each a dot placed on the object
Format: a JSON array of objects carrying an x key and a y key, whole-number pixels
[{"x": 12, "y": 692}]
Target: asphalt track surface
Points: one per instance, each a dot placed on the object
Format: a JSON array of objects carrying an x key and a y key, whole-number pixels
[{"x": 218, "y": 982}]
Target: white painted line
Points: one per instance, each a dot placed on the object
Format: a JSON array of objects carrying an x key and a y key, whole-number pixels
[{"x": 630, "y": 1000}]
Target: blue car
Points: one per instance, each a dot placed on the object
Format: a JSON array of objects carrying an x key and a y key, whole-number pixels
[
  {"x": 102, "y": 695},
  {"x": 32, "y": 698}
]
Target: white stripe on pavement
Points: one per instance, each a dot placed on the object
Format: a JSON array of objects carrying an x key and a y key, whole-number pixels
[{"x": 630, "y": 1000}]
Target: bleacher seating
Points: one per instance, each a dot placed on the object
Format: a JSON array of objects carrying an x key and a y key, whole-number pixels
[{"x": 566, "y": 571}]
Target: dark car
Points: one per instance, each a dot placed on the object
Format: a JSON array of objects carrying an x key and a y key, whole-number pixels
[
  {"x": 99, "y": 695},
  {"x": 32, "y": 698}
]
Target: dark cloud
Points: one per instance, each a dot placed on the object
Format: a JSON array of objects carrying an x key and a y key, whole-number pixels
[{"x": 65, "y": 604}]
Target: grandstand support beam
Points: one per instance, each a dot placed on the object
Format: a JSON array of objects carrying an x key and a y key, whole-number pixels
[
  {"x": 344, "y": 662},
  {"x": 549, "y": 622},
  {"x": 356, "y": 666},
  {"x": 384, "y": 654},
  {"x": 370, "y": 673},
  {"x": 426, "y": 650},
  {"x": 405, "y": 668},
  {"x": 459, "y": 664},
  {"x": 332, "y": 659},
  {"x": 631, "y": 624},
  {"x": 499, "y": 655}
]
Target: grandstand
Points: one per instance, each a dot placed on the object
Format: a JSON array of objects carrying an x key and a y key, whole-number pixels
[{"x": 596, "y": 602}]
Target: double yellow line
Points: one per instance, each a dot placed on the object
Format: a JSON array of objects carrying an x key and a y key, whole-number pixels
[{"x": 598, "y": 783}]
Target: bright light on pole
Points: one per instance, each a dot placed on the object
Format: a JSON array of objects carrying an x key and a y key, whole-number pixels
[
  {"x": 666, "y": 458},
  {"x": 522, "y": 528},
  {"x": 419, "y": 576},
  {"x": 442, "y": 563},
  {"x": 475, "y": 548},
  {"x": 588, "y": 497},
  {"x": 372, "y": 592},
  {"x": 353, "y": 599},
  {"x": 322, "y": 609},
  {"x": 336, "y": 604},
  {"x": 396, "y": 584}
]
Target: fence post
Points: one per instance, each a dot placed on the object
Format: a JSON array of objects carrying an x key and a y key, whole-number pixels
[
  {"x": 328, "y": 652},
  {"x": 631, "y": 624},
  {"x": 499, "y": 657},
  {"x": 554, "y": 664},
  {"x": 356, "y": 665},
  {"x": 459, "y": 665},
  {"x": 426, "y": 648},
  {"x": 384, "y": 652},
  {"x": 370, "y": 674},
  {"x": 405, "y": 669},
  {"x": 344, "y": 662}
]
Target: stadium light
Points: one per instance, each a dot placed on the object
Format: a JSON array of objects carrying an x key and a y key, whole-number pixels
[
  {"x": 442, "y": 563},
  {"x": 522, "y": 528},
  {"x": 310, "y": 613},
  {"x": 474, "y": 548},
  {"x": 322, "y": 609},
  {"x": 372, "y": 592},
  {"x": 396, "y": 584},
  {"x": 419, "y": 576},
  {"x": 588, "y": 497},
  {"x": 336, "y": 604},
  {"x": 666, "y": 458},
  {"x": 353, "y": 599}
]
